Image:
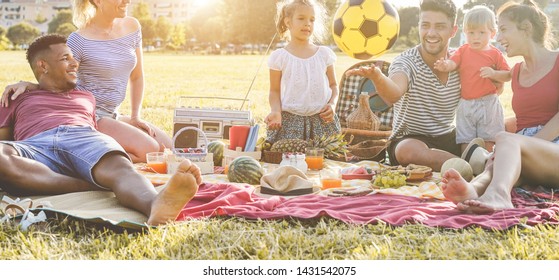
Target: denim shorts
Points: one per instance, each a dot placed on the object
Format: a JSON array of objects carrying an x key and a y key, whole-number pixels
[
  {"x": 531, "y": 131},
  {"x": 68, "y": 150},
  {"x": 101, "y": 113}
]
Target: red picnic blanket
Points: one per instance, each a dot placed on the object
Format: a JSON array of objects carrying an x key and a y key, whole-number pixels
[{"x": 223, "y": 199}]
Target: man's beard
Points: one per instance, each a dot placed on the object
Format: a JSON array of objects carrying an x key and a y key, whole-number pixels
[{"x": 70, "y": 85}]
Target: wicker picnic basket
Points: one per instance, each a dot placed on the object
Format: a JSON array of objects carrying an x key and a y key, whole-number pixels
[
  {"x": 272, "y": 157},
  {"x": 369, "y": 149},
  {"x": 358, "y": 99},
  {"x": 363, "y": 117}
]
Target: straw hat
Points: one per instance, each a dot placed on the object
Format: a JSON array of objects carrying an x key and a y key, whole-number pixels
[
  {"x": 476, "y": 155},
  {"x": 286, "y": 181}
]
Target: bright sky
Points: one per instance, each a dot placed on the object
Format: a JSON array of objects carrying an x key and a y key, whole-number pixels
[{"x": 407, "y": 3}]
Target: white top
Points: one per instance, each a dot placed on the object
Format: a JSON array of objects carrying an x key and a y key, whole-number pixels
[{"x": 304, "y": 85}]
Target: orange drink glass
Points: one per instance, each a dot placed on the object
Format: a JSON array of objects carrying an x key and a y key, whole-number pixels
[
  {"x": 314, "y": 158},
  {"x": 156, "y": 161},
  {"x": 331, "y": 178}
]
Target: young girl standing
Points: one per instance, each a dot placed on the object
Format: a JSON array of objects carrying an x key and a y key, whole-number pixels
[{"x": 303, "y": 87}]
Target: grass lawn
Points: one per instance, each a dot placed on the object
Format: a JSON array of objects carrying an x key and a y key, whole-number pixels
[{"x": 169, "y": 76}]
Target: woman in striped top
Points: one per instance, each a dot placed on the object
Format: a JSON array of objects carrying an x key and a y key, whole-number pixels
[{"x": 108, "y": 47}]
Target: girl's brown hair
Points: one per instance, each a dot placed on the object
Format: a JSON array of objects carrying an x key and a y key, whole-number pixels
[
  {"x": 287, "y": 8},
  {"x": 529, "y": 11}
]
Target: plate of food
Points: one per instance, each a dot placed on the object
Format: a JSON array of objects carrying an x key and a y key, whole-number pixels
[
  {"x": 354, "y": 173},
  {"x": 414, "y": 172}
]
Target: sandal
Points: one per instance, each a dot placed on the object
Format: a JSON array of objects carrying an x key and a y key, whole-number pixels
[
  {"x": 16, "y": 207},
  {"x": 29, "y": 219}
]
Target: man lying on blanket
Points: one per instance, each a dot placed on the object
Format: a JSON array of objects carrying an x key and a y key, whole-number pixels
[{"x": 58, "y": 150}]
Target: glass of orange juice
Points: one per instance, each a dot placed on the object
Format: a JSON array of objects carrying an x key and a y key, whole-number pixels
[
  {"x": 314, "y": 158},
  {"x": 156, "y": 161},
  {"x": 331, "y": 178}
]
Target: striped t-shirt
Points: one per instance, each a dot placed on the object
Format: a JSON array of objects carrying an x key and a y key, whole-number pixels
[
  {"x": 428, "y": 107},
  {"x": 105, "y": 67}
]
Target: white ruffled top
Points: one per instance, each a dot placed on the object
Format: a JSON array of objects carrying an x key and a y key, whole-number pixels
[{"x": 304, "y": 85}]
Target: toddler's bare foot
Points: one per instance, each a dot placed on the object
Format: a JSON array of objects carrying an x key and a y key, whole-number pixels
[
  {"x": 180, "y": 189},
  {"x": 455, "y": 188}
]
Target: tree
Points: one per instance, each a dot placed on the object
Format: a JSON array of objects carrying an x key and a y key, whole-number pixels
[
  {"x": 148, "y": 30},
  {"x": 212, "y": 30},
  {"x": 331, "y": 7},
  {"x": 65, "y": 29},
  {"x": 177, "y": 38},
  {"x": 409, "y": 18},
  {"x": 496, "y": 4},
  {"x": 202, "y": 15},
  {"x": 141, "y": 11},
  {"x": 142, "y": 14},
  {"x": 40, "y": 19},
  {"x": 3, "y": 41},
  {"x": 247, "y": 21},
  {"x": 163, "y": 29},
  {"x": 187, "y": 31},
  {"x": 22, "y": 34},
  {"x": 62, "y": 17}
]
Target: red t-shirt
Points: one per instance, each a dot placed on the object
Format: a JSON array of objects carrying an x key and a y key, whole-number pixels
[
  {"x": 469, "y": 64},
  {"x": 537, "y": 104},
  {"x": 37, "y": 111}
]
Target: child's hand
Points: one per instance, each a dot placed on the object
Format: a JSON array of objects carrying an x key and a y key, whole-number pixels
[
  {"x": 486, "y": 72},
  {"x": 364, "y": 71},
  {"x": 441, "y": 65},
  {"x": 327, "y": 113},
  {"x": 273, "y": 120}
]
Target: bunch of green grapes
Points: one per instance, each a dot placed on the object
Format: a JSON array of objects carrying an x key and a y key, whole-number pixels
[{"x": 389, "y": 179}]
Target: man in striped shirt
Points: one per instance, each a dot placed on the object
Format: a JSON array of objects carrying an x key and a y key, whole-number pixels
[{"x": 424, "y": 100}]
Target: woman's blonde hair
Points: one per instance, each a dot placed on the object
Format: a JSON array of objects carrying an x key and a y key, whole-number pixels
[
  {"x": 82, "y": 12},
  {"x": 286, "y": 9},
  {"x": 480, "y": 16},
  {"x": 529, "y": 11}
]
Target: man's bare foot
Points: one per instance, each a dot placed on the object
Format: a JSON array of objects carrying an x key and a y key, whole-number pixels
[
  {"x": 455, "y": 188},
  {"x": 485, "y": 204},
  {"x": 180, "y": 189}
]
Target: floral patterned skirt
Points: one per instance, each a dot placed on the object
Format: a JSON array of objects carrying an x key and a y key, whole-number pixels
[{"x": 303, "y": 127}]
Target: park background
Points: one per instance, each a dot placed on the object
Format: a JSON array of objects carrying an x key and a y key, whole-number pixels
[{"x": 171, "y": 72}]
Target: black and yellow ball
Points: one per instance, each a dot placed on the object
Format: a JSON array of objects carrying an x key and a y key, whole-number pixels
[{"x": 365, "y": 28}]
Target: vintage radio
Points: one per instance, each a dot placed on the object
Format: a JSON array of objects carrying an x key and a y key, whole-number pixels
[{"x": 215, "y": 122}]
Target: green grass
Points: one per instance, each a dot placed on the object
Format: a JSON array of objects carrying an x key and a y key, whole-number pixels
[{"x": 169, "y": 76}]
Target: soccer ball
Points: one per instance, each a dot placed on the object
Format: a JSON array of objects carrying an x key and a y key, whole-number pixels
[{"x": 365, "y": 28}]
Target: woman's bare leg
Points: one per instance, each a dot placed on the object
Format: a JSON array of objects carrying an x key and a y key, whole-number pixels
[
  {"x": 516, "y": 157},
  {"x": 160, "y": 136},
  {"x": 135, "y": 141}
]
